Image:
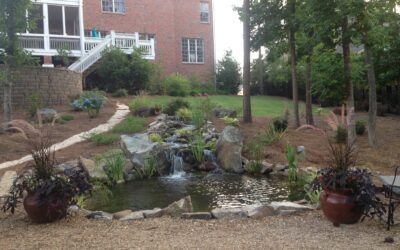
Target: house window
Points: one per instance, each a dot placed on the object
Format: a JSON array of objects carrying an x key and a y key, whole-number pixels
[
  {"x": 114, "y": 6},
  {"x": 192, "y": 50},
  {"x": 204, "y": 12},
  {"x": 72, "y": 21}
]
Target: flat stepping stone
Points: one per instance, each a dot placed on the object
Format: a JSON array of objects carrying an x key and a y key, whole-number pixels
[
  {"x": 6, "y": 182},
  {"x": 388, "y": 181},
  {"x": 197, "y": 216}
]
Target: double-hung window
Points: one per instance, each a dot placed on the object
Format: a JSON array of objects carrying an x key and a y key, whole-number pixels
[
  {"x": 204, "y": 12},
  {"x": 114, "y": 6},
  {"x": 192, "y": 50}
]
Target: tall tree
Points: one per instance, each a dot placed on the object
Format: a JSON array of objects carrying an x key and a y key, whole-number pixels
[
  {"x": 12, "y": 20},
  {"x": 293, "y": 57},
  {"x": 247, "y": 117},
  {"x": 229, "y": 75}
]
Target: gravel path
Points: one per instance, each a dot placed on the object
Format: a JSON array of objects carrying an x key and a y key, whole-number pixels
[{"x": 307, "y": 231}]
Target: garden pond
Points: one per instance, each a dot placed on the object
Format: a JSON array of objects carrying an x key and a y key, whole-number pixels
[{"x": 207, "y": 191}]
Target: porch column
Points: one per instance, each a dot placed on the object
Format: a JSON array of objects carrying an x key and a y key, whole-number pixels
[
  {"x": 47, "y": 60},
  {"x": 81, "y": 27}
]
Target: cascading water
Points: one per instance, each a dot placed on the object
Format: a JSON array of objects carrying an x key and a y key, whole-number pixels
[{"x": 177, "y": 167}]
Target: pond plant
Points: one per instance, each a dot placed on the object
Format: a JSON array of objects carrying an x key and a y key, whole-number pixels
[
  {"x": 49, "y": 194},
  {"x": 348, "y": 192},
  {"x": 91, "y": 102}
]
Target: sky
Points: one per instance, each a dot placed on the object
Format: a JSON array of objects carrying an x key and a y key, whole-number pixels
[{"x": 228, "y": 29}]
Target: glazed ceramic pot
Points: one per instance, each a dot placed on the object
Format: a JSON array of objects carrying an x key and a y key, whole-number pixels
[
  {"x": 339, "y": 207},
  {"x": 45, "y": 210}
]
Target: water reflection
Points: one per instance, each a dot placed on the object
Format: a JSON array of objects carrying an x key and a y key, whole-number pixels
[{"x": 207, "y": 192}]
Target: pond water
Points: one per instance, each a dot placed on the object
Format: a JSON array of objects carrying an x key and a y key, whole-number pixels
[{"x": 207, "y": 191}]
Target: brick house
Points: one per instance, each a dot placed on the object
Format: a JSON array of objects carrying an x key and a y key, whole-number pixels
[{"x": 177, "y": 34}]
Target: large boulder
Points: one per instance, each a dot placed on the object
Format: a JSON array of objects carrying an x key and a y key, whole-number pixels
[
  {"x": 224, "y": 112},
  {"x": 94, "y": 170},
  {"x": 180, "y": 207},
  {"x": 139, "y": 149},
  {"x": 229, "y": 150}
]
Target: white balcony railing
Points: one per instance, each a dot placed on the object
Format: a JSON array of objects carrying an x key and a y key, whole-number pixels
[{"x": 94, "y": 48}]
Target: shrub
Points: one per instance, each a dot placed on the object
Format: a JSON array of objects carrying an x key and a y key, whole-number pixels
[
  {"x": 341, "y": 134},
  {"x": 197, "y": 118},
  {"x": 361, "y": 127},
  {"x": 175, "y": 105},
  {"x": 280, "y": 124},
  {"x": 184, "y": 132},
  {"x": 120, "y": 93},
  {"x": 102, "y": 139},
  {"x": 156, "y": 138},
  {"x": 184, "y": 114},
  {"x": 131, "y": 125},
  {"x": 91, "y": 101},
  {"x": 115, "y": 162},
  {"x": 197, "y": 146},
  {"x": 155, "y": 86},
  {"x": 120, "y": 71},
  {"x": 149, "y": 169},
  {"x": 198, "y": 88},
  {"x": 35, "y": 104},
  {"x": 231, "y": 121},
  {"x": 255, "y": 150},
  {"x": 67, "y": 118},
  {"x": 271, "y": 135},
  {"x": 206, "y": 105},
  {"x": 177, "y": 85},
  {"x": 138, "y": 103}
]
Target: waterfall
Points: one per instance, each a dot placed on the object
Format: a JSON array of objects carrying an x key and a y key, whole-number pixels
[{"x": 176, "y": 166}]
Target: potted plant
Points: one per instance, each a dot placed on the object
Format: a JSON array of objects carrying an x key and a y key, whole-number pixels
[
  {"x": 348, "y": 192},
  {"x": 46, "y": 195}
]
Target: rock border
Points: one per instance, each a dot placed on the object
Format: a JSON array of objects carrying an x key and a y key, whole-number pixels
[{"x": 121, "y": 112}]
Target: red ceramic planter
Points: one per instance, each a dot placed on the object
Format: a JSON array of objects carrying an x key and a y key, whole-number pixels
[
  {"x": 49, "y": 210},
  {"x": 339, "y": 207}
]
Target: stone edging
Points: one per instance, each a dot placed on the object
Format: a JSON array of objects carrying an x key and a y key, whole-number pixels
[{"x": 121, "y": 112}]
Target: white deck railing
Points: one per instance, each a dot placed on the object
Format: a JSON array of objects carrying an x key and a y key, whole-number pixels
[{"x": 126, "y": 42}]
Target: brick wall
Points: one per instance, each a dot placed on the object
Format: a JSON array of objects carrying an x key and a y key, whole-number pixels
[
  {"x": 54, "y": 85},
  {"x": 170, "y": 21}
]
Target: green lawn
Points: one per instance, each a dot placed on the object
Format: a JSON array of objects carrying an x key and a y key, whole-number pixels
[{"x": 261, "y": 105}]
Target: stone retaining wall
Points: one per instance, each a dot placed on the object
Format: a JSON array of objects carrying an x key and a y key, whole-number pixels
[{"x": 55, "y": 86}]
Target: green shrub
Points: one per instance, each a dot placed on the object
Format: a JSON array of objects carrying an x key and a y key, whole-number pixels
[
  {"x": 177, "y": 85},
  {"x": 156, "y": 138},
  {"x": 361, "y": 127},
  {"x": 102, "y": 139},
  {"x": 198, "y": 87},
  {"x": 197, "y": 146},
  {"x": 270, "y": 135},
  {"x": 174, "y": 105},
  {"x": 155, "y": 86},
  {"x": 120, "y": 93},
  {"x": 184, "y": 114},
  {"x": 231, "y": 121},
  {"x": 255, "y": 150},
  {"x": 118, "y": 70},
  {"x": 138, "y": 103},
  {"x": 131, "y": 125},
  {"x": 115, "y": 162},
  {"x": 197, "y": 117},
  {"x": 67, "y": 118},
  {"x": 35, "y": 104},
  {"x": 184, "y": 132},
  {"x": 206, "y": 105},
  {"x": 292, "y": 162},
  {"x": 341, "y": 134},
  {"x": 91, "y": 101},
  {"x": 149, "y": 170},
  {"x": 280, "y": 124}
]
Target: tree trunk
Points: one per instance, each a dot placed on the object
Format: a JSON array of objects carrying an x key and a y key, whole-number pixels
[
  {"x": 292, "y": 48},
  {"x": 309, "y": 109},
  {"x": 351, "y": 126},
  {"x": 261, "y": 72},
  {"x": 7, "y": 108},
  {"x": 246, "y": 63},
  {"x": 372, "y": 97}
]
